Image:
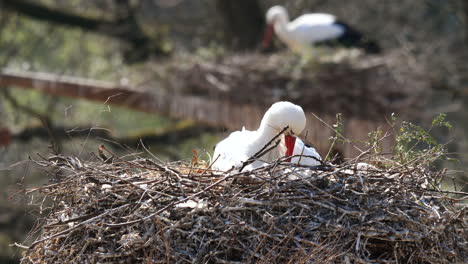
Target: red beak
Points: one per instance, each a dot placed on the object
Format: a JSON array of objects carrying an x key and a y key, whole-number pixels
[
  {"x": 267, "y": 36},
  {"x": 290, "y": 143}
]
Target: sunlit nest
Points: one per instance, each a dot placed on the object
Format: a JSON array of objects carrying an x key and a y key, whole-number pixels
[{"x": 141, "y": 210}]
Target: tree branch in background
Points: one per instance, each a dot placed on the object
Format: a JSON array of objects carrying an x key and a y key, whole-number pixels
[
  {"x": 169, "y": 137},
  {"x": 45, "y": 120},
  {"x": 124, "y": 28},
  {"x": 27, "y": 110},
  {"x": 44, "y": 13}
]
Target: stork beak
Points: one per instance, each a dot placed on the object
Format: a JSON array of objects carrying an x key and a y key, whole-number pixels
[
  {"x": 267, "y": 36},
  {"x": 290, "y": 143}
]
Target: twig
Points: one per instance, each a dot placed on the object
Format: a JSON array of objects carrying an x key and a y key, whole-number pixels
[
  {"x": 77, "y": 225},
  {"x": 264, "y": 149},
  {"x": 174, "y": 203},
  {"x": 339, "y": 134}
]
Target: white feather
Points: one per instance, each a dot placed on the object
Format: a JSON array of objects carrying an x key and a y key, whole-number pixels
[{"x": 301, "y": 149}]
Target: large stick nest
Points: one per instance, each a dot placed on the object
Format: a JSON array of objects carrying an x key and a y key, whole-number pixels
[
  {"x": 381, "y": 85},
  {"x": 145, "y": 211}
]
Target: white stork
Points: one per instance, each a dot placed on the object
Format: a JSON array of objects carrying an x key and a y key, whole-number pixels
[
  {"x": 239, "y": 146},
  {"x": 299, "y": 35}
]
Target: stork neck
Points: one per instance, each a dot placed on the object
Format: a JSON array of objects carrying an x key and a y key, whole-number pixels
[
  {"x": 266, "y": 132},
  {"x": 283, "y": 32},
  {"x": 281, "y": 25}
]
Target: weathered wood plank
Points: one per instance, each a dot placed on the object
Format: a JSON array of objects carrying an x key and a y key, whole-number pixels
[{"x": 211, "y": 112}]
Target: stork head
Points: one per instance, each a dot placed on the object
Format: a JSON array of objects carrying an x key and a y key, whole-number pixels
[
  {"x": 276, "y": 14},
  {"x": 281, "y": 115}
]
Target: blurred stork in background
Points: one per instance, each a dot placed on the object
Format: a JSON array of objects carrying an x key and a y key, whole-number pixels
[{"x": 308, "y": 29}]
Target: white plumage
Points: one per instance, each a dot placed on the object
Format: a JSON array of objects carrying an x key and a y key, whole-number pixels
[
  {"x": 239, "y": 146},
  {"x": 322, "y": 25},
  {"x": 301, "y": 149}
]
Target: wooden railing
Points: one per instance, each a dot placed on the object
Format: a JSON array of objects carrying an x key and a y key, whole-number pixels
[{"x": 197, "y": 108}]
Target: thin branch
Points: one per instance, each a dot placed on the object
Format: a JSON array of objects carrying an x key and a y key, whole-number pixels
[{"x": 264, "y": 149}]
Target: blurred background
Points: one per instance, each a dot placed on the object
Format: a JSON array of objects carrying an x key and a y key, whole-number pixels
[{"x": 175, "y": 76}]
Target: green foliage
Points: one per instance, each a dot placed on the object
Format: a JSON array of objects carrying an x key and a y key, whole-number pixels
[
  {"x": 374, "y": 141},
  {"x": 338, "y": 126},
  {"x": 338, "y": 138},
  {"x": 5, "y": 248},
  {"x": 75, "y": 113},
  {"x": 211, "y": 51},
  {"x": 119, "y": 120},
  {"x": 27, "y": 44},
  {"x": 440, "y": 121},
  {"x": 203, "y": 145},
  {"x": 413, "y": 143}
]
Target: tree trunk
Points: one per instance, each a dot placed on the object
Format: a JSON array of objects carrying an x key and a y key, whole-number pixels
[
  {"x": 465, "y": 19},
  {"x": 244, "y": 22},
  {"x": 5, "y": 136}
]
